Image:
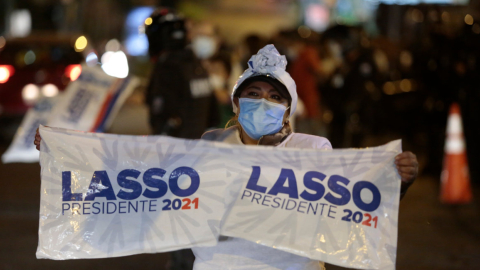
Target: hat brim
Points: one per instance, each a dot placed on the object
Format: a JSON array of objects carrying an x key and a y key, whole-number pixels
[{"x": 280, "y": 87}]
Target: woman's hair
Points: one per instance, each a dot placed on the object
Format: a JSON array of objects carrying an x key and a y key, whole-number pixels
[{"x": 234, "y": 122}]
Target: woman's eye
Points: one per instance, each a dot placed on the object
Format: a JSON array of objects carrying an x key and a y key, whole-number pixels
[
  {"x": 255, "y": 94},
  {"x": 276, "y": 97}
]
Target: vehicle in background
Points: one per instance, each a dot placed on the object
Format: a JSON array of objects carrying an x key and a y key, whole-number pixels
[{"x": 32, "y": 67}]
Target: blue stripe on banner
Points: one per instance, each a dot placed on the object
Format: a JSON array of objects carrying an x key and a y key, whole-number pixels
[{"x": 120, "y": 90}]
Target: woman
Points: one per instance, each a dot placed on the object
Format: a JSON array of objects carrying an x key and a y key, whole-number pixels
[{"x": 263, "y": 100}]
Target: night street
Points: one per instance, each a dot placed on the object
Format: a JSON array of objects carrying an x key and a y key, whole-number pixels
[
  {"x": 431, "y": 235},
  {"x": 262, "y": 134}
]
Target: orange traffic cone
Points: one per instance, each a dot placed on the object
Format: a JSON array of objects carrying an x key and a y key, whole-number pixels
[{"x": 455, "y": 179}]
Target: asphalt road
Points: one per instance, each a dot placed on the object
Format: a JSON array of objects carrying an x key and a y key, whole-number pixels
[{"x": 431, "y": 235}]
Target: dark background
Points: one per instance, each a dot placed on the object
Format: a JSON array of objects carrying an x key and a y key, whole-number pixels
[{"x": 446, "y": 69}]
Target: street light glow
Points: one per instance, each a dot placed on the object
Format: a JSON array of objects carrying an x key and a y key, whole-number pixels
[
  {"x": 148, "y": 21},
  {"x": 469, "y": 19},
  {"x": 81, "y": 44}
]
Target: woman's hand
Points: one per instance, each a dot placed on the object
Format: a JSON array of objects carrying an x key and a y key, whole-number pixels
[
  {"x": 37, "y": 140},
  {"x": 407, "y": 166}
]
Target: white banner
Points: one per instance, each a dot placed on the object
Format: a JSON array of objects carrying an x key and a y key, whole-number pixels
[
  {"x": 89, "y": 104},
  {"x": 91, "y": 101},
  {"x": 338, "y": 206},
  {"x": 114, "y": 195},
  {"x": 22, "y": 148}
]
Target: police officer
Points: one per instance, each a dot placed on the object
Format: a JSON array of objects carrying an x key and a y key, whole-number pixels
[
  {"x": 181, "y": 101},
  {"x": 179, "y": 95}
]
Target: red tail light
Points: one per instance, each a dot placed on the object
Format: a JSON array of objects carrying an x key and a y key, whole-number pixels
[
  {"x": 73, "y": 72},
  {"x": 6, "y": 71}
]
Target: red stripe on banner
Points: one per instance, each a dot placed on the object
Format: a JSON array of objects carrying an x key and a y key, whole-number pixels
[{"x": 105, "y": 105}]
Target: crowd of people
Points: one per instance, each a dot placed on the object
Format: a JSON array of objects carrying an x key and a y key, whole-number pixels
[{"x": 354, "y": 88}]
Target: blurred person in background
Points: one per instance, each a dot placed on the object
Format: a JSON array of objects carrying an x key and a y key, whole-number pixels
[
  {"x": 181, "y": 101},
  {"x": 351, "y": 92},
  {"x": 467, "y": 71},
  {"x": 205, "y": 40},
  {"x": 219, "y": 68},
  {"x": 180, "y": 98},
  {"x": 306, "y": 69},
  {"x": 252, "y": 43},
  {"x": 207, "y": 45},
  {"x": 448, "y": 66}
]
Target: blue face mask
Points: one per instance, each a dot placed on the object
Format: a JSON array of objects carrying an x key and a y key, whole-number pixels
[{"x": 260, "y": 117}]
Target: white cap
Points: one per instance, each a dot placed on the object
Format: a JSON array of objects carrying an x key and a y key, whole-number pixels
[{"x": 269, "y": 62}]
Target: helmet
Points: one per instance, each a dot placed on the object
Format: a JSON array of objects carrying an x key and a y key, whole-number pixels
[{"x": 166, "y": 31}]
